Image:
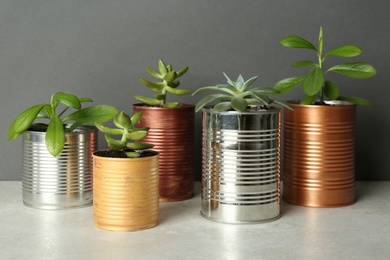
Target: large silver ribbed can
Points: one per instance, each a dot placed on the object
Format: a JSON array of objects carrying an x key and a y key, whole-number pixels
[
  {"x": 60, "y": 182},
  {"x": 241, "y": 165}
]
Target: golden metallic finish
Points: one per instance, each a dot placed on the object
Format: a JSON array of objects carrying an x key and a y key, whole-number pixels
[
  {"x": 319, "y": 155},
  {"x": 125, "y": 196},
  {"x": 172, "y": 133}
]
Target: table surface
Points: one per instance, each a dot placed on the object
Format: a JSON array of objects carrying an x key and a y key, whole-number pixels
[{"x": 359, "y": 231}]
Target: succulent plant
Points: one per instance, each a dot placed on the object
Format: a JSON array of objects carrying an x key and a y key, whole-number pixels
[
  {"x": 169, "y": 84},
  {"x": 237, "y": 96},
  {"x": 129, "y": 134},
  {"x": 57, "y": 126},
  {"x": 314, "y": 84}
]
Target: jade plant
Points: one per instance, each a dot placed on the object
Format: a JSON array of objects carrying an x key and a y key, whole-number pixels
[
  {"x": 316, "y": 87},
  {"x": 237, "y": 96},
  {"x": 168, "y": 83},
  {"x": 127, "y": 145},
  {"x": 59, "y": 123}
]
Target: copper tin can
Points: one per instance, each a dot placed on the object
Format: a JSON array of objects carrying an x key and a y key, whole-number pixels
[
  {"x": 319, "y": 155},
  {"x": 172, "y": 133}
]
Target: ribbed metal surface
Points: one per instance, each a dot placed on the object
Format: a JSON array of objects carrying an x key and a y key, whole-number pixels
[
  {"x": 126, "y": 193},
  {"x": 58, "y": 182},
  {"x": 172, "y": 133},
  {"x": 319, "y": 155},
  {"x": 241, "y": 166}
]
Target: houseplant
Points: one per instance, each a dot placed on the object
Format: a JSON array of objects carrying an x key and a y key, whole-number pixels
[
  {"x": 171, "y": 131},
  {"x": 57, "y": 161},
  {"x": 240, "y": 153},
  {"x": 125, "y": 178},
  {"x": 319, "y": 136}
]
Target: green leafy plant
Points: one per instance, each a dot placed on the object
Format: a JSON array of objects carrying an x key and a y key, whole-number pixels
[
  {"x": 59, "y": 124},
  {"x": 169, "y": 84},
  {"x": 314, "y": 84},
  {"x": 129, "y": 135},
  {"x": 237, "y": 96}
]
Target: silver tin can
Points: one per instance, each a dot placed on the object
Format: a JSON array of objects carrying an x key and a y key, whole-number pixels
[
  {"x": 60, "y": 182},
  {"x": 241, "y": 166}
]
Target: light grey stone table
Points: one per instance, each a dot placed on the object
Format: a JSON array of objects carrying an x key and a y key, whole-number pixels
[{"x": 360, "y": 231}]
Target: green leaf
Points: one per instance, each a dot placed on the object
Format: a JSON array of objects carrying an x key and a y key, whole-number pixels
[
  {"x": 286, "y": 85},
  {"x": 157, "y": 86},
  {"x": 137, "y": 135},
  {"x": 162, "y": 67},
  {"x": 239, "y": 104},
  {"x": 223, "y": 106},
  {"x": 331, "y": 90},
  {"x": 109, "y": 130},
  {"x": 67, "y": 99},
  {"x": 262, "y": 98},
  {"x": 123, "y": 120},
  {"x": 182, "y": 71},
  {"x": 283, "y": 103},
  {"x": 94, "y": 114},
  {"x": 135, "y": 118},
  {"x": 304, "y": 63},
  {"x": 177, "y": 91},
  {"x": 248, "y": 83},
  {"x": 207, "y": 99},
  {"x": 153, "y": 73},
  {"x": 240, "y": 82},
  {"x": 24, "y": 121},
  {"x": 149, "y": 101},
  {"x": 313, "y": 82},
  {"x": 139, "y": 146},
  {"x": 358, "y": 101},
  {"x": 297, "y": 42},
  {"x": 55, "y": 136},
  {"x": 229, "y": 81},
  {"x": 85, "y": 99},
  {"x": 161, "y": 96},
  {"x": 358, "y": 70},
  {"x": 226, "y": 88},
  {"x": 132, "y": 154},
  {"x": 114, "y": 144},
  {"x": 308, "y": 100},
  {"x": 172, "y": 105},
  {"x": 170, "y": 76},
  {"x": 345, "y": 51}
]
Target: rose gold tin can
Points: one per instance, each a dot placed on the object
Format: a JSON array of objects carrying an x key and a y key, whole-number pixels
[
  {"x": 319, "y": 155},
  {"x": 172, "y": 133}
]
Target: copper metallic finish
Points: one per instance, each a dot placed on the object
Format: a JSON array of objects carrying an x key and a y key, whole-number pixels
[
  {"x": 172, "y": 133},
  {"x": 319, "y": 155},
  {"x": 125, "y": 194}
]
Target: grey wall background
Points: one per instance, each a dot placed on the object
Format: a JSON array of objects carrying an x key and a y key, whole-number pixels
[{"x": 100, "y": 49}]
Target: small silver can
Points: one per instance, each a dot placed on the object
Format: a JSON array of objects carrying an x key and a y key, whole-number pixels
[
  {"x": 60, "y": 182},
  {"x": 241, "y": 165}
]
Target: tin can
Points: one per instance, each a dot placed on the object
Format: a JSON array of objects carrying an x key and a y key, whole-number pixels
[
  {"x": 61, "y": 182},
  {"x": 241, "y": 165}
]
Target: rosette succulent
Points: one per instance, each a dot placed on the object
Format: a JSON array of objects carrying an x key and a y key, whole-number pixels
[{"x": 236, "y": 95}]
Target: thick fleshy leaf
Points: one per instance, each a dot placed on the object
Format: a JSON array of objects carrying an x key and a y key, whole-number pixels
[
  {"x": 113, "y": 143},
  {"x": 123, "y": 120},
  {"x": 55, "y": 136},
  {"x": 157, "y": 86},
  {"x": 359, "y": 70},
  {"x": 345, "y": 51},
  {"x": 153, "y": 73},
  {"x": 94, "y": 114},
  {"x": 358, "y": 101},
  {"x": 170, "y": 76},
  {"x": 172, "y": 105},
  {"x": 67, "y": 99},
  {"x": 135, "y": 118},
  {"x": 229, "y": 81},
  {"x": 24, "y": 121},
  {"x": 177, "y": 91},
  {"x": 283, "y": 103},
  {"x": 182, "y": 71},
  {"x": 304, "y": 63},
  {"x": 331, "y": 90},
  {"x": 139, "y": 146},
  {"x": 223, "y": 106},
  {"x": 137, "y": 135},
  {"x": 162, "y": 67},
  {"x": 248, "y": 83},
  {"x": 286, "y": 85},
  {"x": 239, "y": 104},
  {"x": 109, "y": 130},
  {"x": 221, "y": 87},
  {"x": 313, "y": 82},
  {"x": 149, "y": 101},
  {"x": 297, "y": 42},
  {"x": 260, "y": 97},
  {"x": 210, "y": 98}
]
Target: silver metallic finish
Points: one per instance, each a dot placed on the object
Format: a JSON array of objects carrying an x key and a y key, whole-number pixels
[
  {"x": 241, "y": 166},
  {"x": 58, "y": 182}
]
